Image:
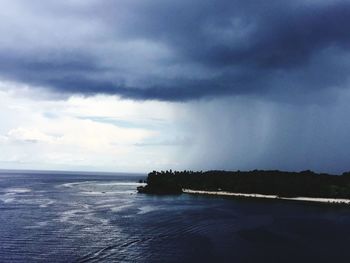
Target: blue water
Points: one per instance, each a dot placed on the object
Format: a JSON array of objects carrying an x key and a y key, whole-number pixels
[{"x": 100, "y": 218}]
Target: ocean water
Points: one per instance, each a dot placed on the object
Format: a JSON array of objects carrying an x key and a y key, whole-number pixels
[{"x": 63, "y": 217}]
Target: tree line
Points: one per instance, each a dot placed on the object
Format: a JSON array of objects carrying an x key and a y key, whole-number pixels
[{"x": 286, "y": 184}]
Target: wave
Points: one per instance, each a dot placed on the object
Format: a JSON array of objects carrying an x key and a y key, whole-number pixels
[
  {"x": 147, "y": 209},
  {"x": 18, "y": 190},
  {"x": 97, "y": 183}
]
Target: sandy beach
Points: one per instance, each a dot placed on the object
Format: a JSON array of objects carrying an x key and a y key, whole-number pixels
[{"x": 307, "y": 199}]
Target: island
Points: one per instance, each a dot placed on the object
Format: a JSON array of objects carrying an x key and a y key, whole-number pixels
[{"x": 304, "y": 186}]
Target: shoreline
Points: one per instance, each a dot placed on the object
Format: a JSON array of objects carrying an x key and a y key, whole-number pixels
[{"x": 304, "y": 199}]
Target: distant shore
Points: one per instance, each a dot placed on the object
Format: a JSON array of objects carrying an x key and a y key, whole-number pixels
[
  {"x": 252, "y": 195},
  {"x": 304, "y": 186}
]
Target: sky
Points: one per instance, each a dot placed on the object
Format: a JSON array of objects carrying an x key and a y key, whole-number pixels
[{"x": 135, "y": 86}]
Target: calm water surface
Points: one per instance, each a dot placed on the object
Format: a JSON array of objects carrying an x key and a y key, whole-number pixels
[{"x": 98, "y": 218}]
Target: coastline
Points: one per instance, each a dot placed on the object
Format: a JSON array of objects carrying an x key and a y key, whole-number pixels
[{"x": 304, "y": 199}]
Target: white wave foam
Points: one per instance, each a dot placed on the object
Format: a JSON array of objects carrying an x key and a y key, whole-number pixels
[
  {"x": 10, "y": 195},
  {"x": 122, "y": 184},
  {"x": 146, "y": 209},
  {"x": 69, "y": 185},
  {"x": 120, "y": 208},
  {"x": 70, "y": 216},
  {"x": 18, "y": 190},
  {"x": 97, "y": 183},
  {"x": 38, "y": 225},
  {"x": 7, "y": 199},
  {"x": 47, "y": 203},
  {"x": 108, "y": 192}
]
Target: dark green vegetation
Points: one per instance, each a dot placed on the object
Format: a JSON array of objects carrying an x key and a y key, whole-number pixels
[
  {"x": 286, "y": 184},
  {"x": 161, "y": 183}
]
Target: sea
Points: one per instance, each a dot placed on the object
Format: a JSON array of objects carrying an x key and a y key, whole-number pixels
[{"x": 98, "y": 217}]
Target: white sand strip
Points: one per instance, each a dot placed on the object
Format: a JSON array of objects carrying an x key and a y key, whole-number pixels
[{"x": 309, "y": 199}]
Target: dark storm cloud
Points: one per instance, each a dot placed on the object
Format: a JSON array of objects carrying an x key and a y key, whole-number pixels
[
  {"x": 177, "y": 50},
  {"x": 274, "y": 34}
]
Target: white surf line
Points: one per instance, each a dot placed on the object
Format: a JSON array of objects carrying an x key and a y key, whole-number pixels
[{"x": 309, "y": 199}]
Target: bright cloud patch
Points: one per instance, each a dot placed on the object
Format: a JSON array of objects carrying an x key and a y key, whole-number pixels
[{"x": 101, "y": 133}]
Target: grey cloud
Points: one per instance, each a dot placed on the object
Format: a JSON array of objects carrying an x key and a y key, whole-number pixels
[{"x": 176, "y": 50}]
